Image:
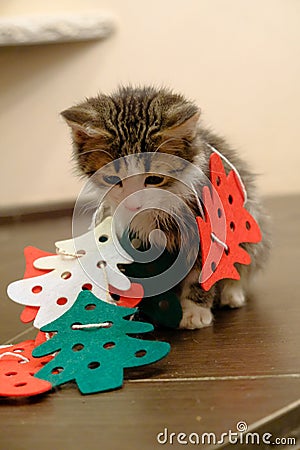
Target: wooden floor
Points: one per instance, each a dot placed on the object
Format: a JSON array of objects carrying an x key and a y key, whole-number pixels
[{"x": 246, "y": 367}]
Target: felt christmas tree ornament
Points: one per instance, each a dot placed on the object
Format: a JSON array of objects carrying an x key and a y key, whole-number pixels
[
  {"x": 31, "y": 254},
  {"x": 86, "y": 262},
  {"x": 93, "y": 345},
  {"x": 227, "y": 224},
  {"x": 163, "y": 309},
  {"x": 17, "y": 369}
]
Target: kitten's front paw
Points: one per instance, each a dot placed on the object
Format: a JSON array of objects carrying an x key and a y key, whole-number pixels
[
  {"x": 194, "y": 316},
  {"x": 233, "y": 295}
]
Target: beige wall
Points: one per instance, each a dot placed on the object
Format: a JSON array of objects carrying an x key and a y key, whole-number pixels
[{"x": 238, "y": 59}]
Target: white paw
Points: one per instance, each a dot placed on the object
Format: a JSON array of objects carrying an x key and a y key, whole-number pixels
[
  {"x": 194, "y": 316},
  {"x": 233, "y": 295}
]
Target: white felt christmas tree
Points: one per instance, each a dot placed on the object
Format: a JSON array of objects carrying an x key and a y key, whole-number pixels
[{"x": 85, "y": 262}]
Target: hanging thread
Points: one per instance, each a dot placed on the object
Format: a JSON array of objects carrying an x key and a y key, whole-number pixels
[
  {"x": 17, "y": 355},
  {"x": 108, "y": 299},
  {"x": 197, "y": 200},
  {"x": 213, "y": 149}
]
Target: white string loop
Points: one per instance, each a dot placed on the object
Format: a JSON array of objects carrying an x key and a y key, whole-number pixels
[
  {"x": 216, "y": 239},
  {"x": 78, "y": 326},
  {"x": 64, "y": 253},
  {"x": 17, "y": 355},
  {"x": 108, "y": 299},
  {"x": 232, "y": 166}
]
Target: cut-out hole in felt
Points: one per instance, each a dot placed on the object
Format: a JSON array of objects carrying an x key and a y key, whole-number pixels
[
  {"x": 218, "y": 181},
  {"x": 36, "y": 289},
  {"x": 140, "y": 353},
  {"x": 103, "y": 238},
  {"x": 10, "y": 374},
  {"x": 57, "y": 370},
  {"x": 81, "y": 252},
  {"x": 230, "y": 199},
  {"x": 101, "y": 264},
  {"x": 159, "y": 313},
  {"x": 93, "y": 365},
  {"x": 227, "y": 251},
  {"x": 17, "y": 385},
  {"x": 232, "y": 226},
  {"x": 77, "y": 347},
  {"x": 90, "y": 307},
  {"x": 18, "y": 350},
  {"x": 61, "y": 301},
  {"x": 22, "y": 361},
  {"x": 66, "y": 275},
  {"x": 164, "y": 305},
  {"x": 248, "y": 225},
  {"x": 213, "y": 266},
  {"x": 80, "y": 366},
  {"x": 129, "y": 298},
  {"x": 219, "y": 213},
  {"x": 87, "y": 287},
  {"x": 109, "y": 345}
]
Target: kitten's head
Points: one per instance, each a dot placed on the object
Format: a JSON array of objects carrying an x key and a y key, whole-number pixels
[{"x": 107, "y": 129}]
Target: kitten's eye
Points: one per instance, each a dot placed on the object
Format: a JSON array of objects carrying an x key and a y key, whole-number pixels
[
  {"x": 154, "y": 180},
  {"x": 112, "y": 179}
]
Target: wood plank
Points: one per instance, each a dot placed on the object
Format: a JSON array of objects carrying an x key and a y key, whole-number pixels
[{"x": 131, "y": 418}]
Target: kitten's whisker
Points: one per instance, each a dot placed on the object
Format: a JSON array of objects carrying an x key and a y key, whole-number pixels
[
  {"x": 95, "y": 150},
  {"x": 167, "y": 140}
]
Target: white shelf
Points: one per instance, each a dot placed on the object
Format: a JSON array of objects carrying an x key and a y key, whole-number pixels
[{"x": 47, "y": 29}]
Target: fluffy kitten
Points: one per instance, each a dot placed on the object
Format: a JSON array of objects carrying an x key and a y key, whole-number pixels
[{"x": 133, "y": 121}]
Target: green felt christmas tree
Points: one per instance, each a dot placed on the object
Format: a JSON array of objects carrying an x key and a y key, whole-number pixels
[{"x": 93, "y": 344}]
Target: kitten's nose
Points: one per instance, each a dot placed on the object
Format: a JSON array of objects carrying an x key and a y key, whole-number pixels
[
  {"x": 132, "y": 207},
  {"x": 133, "y": 194}
]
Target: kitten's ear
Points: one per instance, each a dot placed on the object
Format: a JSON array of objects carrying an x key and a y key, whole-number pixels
[
  {"x": 185, "y": 130},
  {"x": 81, "y": 123}
]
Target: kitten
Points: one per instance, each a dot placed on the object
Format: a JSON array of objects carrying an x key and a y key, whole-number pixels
[{"x": 133, "y": 121}]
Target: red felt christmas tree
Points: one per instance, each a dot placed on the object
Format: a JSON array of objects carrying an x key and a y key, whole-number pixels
[
  {"x": 17, "y": 369},
  {"x": 31, "y": 254},
  {"x": 226, "y": 225}
]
